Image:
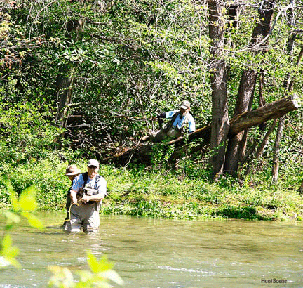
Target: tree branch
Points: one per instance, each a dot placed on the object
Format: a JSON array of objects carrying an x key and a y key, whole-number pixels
[{"x": 270, "y": 111}]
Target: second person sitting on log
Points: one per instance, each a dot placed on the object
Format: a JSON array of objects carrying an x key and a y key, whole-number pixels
[{"x": 180, "y": 120}]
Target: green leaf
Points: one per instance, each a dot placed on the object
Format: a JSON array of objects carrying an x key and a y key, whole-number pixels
[
  {"x": 9, "y": 252},
  {"x": 98, "y": 266},
  {"x": 33, "y": 220},
  {"x": 27, "y": 200},
  {"x": 62, "y": 277},
  {"x": 112, "y": 276},
  {"x": 11, "y": 217}
]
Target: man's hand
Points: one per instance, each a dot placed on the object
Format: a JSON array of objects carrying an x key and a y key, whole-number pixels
[{"x": 86, "y": 198}]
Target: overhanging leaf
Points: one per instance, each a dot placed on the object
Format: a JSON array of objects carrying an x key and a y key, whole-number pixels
[
  {"x": 9, "y": 252},
  {"x": 27, "y": 200},
  {"x": 98, "y": 266},
  {"x": 33, "y": 220}
]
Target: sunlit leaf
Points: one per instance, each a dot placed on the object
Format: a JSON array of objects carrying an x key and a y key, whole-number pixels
[
  {"x": 62, "y": 277},
  {"x": 14, "y": 200},
  {"x": 112, "y": 276},
  {"x": 11, "y": 217},
  {"x": 33, "y": 220},
  {"x": 27, "y": 201},
  {"x": 98, "y": 266},
  {"x": 9, "y": 252}
]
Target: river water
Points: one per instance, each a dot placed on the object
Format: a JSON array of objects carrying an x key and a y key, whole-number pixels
[{"x": 166, "y": 253}]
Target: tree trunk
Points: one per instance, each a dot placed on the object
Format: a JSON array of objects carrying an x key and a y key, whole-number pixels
[
  {"x": 275, "y": 169},
  {"x": 64, "y": 96},
  {"x": 220, "y": 120},
  {"x": 65, "y": 79},
  {"x": 257, "y": 154},
  {"x": 237, "y": 143},
  {"x": 287, "y": 85},
  {"x": 272, "y": 110}
]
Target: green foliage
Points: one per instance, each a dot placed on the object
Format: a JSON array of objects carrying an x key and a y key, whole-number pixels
[
  {"x": 99, "y": 275},
  {"x": 155, "y": 192},
  {"x": 142, "y": 54},
  {"x": 158, "y": 193},
  {"x": 48, "y": 176},
  {"x": 8, "y": 253},
  {"x": 22, "y": 207},
  {"x": 26, "y": 135},
  {"x": 127, "y": 61}
]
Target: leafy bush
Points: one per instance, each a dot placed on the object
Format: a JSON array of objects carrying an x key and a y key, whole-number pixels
[{"x": 26, "y": 134}]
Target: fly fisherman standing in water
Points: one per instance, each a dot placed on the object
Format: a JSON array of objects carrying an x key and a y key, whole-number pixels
[{"x": 87, "y": 192}]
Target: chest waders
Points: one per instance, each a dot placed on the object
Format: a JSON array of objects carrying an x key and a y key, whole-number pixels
[{"x": 85, "y": 180}]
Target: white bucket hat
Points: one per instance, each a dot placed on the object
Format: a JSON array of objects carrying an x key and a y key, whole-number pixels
[
  {"x": 185, "y": 105},
  {"x": 93, "y": 162}
]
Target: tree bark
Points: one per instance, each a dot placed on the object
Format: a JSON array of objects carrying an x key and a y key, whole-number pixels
[
  {"x": 272, "y": 110},
  {"x": 275, "y": 169},
  {"x": 65, "y": 79},
  {"x": 220, "y": 119},
  {"x": 64, "y": 94},
  {"x": 237, "y": 143},
  {"x": 287, "y": 85}
]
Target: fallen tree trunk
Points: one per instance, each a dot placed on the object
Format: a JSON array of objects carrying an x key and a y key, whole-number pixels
[
  {"x": 270, "y": 111},
  {"x": 143, "y": 151}
]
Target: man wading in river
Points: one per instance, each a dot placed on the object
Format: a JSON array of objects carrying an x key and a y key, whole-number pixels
[
  {"x": 87, "y": 192},
  {"x": 176, "y": 126}
]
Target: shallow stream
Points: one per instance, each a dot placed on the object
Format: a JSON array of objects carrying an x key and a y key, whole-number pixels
[{"x": 166, "y": 253}]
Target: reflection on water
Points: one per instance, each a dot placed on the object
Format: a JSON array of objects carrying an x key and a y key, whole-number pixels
[{"x": 167, "y": 253}]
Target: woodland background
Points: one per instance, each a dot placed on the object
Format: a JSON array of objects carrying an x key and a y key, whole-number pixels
[{"x": 84, "y": 79}]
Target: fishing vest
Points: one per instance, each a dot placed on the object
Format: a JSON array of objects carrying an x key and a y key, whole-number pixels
[
  {"x": 85, "y": 180},
  {"x": 171, "y": 122}
]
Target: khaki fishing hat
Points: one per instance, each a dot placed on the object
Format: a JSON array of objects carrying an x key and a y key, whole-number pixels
[
  {"x": 72, "y": 170},
  {"x": 93, "y": 162},
  {"x": 185, "y": 105}
]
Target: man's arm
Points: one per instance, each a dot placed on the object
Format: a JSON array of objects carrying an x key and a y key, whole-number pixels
[
  {"x": 77, "y": 184},
  {"x": 96, "y": 198},
  {"x": 191, "y": 125},
  {"x": 73, "y": 196},
  {"x": 102, "y": 192}
]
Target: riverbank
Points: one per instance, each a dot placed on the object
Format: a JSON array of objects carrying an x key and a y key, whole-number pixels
[
  {"x": 163, "y": 194},
  {"x": 160, "y": 193}
]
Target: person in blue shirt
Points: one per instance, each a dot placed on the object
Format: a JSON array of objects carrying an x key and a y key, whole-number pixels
[
  {"x": 71, "y": 172},
  {"x": 180, "y": 121}
]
